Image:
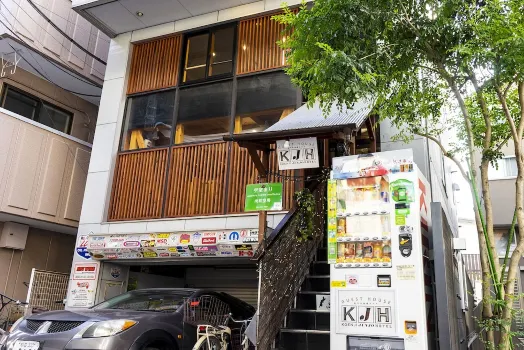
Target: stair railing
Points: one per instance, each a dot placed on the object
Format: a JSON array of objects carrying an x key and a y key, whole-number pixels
[{"x": 283, "y": 264}]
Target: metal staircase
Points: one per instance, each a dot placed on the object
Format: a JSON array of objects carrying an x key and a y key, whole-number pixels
[{"x": 305, "y": 327}]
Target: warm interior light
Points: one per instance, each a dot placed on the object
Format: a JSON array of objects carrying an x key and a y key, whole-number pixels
[{"x": 244, "y": 47}]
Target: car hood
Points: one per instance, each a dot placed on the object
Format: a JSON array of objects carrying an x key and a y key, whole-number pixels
[{"x": 96, "y": 315}]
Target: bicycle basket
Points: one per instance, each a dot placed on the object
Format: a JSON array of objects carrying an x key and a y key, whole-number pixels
[{"x": 206, "y": 309}]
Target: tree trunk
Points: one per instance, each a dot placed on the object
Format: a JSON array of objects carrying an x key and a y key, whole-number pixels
[
  {"x": 513, "y": 268},
  {"x": 488, "y": 209}
]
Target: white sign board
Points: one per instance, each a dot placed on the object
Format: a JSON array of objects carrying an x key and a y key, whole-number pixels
[
  {"x": 83, "y": 285},
  {"x": 297, "y": 153},
  {"x": 323, "y": 302},
  {"x": 366, "y": 312}
]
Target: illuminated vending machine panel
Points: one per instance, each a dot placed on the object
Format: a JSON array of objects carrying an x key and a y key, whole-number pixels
[{"x": 375, "y": 248}]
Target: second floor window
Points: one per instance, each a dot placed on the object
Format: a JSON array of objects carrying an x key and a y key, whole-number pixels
[
  {"x": 33, "y": 108},
  {"x": 506, "y": 167},
  {"x": 209, "y": 54}
]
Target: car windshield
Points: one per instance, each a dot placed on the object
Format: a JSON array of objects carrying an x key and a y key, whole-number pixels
[{"x": 154, "y": 300}]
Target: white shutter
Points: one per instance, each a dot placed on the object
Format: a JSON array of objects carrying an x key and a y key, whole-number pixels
[{"x": 241, "y": 282}]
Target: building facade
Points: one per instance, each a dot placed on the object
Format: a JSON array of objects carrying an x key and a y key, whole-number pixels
[
  {"x": 186, "y": 84},
  {"x": 53, "y": 64}
]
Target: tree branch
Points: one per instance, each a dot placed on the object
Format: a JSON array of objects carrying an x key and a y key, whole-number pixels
[
  {"x": 507, "y": 113},
  {"x": 484, "y": 110},
  {"x": 446, "y": 154},
  {"x": 521, "y": 102}
]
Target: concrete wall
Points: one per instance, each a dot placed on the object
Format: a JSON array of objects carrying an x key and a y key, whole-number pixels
[
  {"x": 44, "y": 250},
  {"x": 36, "y": 32},
  {"x": 84, "y": 113}
]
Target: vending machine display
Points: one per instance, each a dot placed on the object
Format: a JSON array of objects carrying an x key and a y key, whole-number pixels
[{"x": 378, "y": 291}]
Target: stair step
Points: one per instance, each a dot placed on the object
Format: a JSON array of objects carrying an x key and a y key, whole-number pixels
[
  {"x": 303, "y": 339},
  {"x": 310, "y": 311},
  {"x": 318, "y": 276},
  {"x": 319, "y": 268},
  {"x": 303, "y": 331},
  {"x": 309, "y": 320},
  {"x": 313, "y": 292}
]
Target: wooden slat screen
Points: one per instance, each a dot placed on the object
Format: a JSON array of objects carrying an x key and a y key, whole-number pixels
[
  {"x": 196, "y": 184},
  {"x": 154, "y": 65},
  {"x": 243, "y": 172},
  {"x": 257, "y": 45},
  {"x": 138, "y": 186}
]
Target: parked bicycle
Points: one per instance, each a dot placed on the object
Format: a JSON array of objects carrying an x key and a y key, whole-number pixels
[
  {"x": 219, "y": 338},
  {"x": 4, "y": 302}
]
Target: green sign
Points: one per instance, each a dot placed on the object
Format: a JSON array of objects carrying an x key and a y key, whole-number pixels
[{"x": 261, "y": 197}]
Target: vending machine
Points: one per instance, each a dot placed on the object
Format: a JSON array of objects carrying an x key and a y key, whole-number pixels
[{"x": 378, "y": 249}]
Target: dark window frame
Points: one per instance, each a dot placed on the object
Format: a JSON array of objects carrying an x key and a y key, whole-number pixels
[
  {"x": 40, "y": 104},
  {"x": 210, "y": 32},
  {"x": 173, "y": 119}
]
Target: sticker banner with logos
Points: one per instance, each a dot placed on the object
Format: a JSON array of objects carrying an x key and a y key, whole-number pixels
[{"x": 227, "y": 243}]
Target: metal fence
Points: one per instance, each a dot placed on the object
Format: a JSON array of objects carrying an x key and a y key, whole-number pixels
[
  {"x": 46, "y": 289},
  {"x": 284, "y": 265}
]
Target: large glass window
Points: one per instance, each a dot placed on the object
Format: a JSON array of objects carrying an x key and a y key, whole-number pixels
[
  {"x": 149, "y": 121},
  {"x": 209, "y": 54},
  {"x": 33, "y": 108},
  {"x": 263, "y": 100},
  {"x": 204, "y": 113}
]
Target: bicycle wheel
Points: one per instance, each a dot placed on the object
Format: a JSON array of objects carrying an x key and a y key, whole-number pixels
[{"x": 208, "y": 342}]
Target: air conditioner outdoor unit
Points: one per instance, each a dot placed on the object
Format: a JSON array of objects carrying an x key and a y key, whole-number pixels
[{"x": 14, "y": 235}]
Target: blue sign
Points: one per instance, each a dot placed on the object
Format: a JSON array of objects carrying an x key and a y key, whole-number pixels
[
  {"x": 234, "y": 236},
  {"x": 82, "y": 251}
]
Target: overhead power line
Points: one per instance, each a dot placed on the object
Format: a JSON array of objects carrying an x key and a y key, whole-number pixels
[
  {"x": 43, "y": 74},
  {"x": 64, "y": 34},
  {"x": 45, "y": 30}
]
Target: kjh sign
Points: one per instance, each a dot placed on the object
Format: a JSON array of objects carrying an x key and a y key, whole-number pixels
[
  {"x": 366, "y": 312},
  {"x": 297, "y": 154}
]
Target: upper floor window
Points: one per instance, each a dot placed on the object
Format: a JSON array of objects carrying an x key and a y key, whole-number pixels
[
  {"x": 34, "y": 108},
  {"x": 263, "y": 100},
  {"x": 209, "y": 54},
  {"x": 506, "y": 167},
  {"x": 149, "y": 120},
  {"x": 204, "y": 112}
]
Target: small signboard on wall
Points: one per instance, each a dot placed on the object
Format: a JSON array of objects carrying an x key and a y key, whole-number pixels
[
  {"x": 266, "y": 196},
  {"x": 297, "y": 153}
]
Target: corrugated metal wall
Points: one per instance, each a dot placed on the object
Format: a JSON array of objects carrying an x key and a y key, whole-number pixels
[{"x": 240, "y": 282}]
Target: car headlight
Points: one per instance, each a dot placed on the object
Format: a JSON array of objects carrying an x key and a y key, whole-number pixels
[
  {"x": 107, "y": 328},
  {"x": 16, "y": 324}
]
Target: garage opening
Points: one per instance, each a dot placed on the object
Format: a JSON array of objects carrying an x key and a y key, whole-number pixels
[{"x": 240, "y": 281}]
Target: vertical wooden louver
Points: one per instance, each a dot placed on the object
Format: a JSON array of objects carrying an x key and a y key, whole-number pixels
[
  {"x": 138, "y": 185},
  {"x": 154, "y": 65},
  {"x": 242, "y": 172},
  {"x": 257, "y": 45}
]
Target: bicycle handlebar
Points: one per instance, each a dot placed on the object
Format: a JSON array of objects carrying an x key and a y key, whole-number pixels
[{"x": 239, "y": 321}]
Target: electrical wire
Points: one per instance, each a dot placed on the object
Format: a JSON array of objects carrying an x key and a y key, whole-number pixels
[
  {"x": 86, "y": 30},
  {"x": 44, "y": 29},
  {"x": 63, "y": 33},
  {"x": 50, "y": 81},
  {"x": 43, "y": 74}
]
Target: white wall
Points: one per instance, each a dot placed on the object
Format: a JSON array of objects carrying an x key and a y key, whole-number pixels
[
  {"x": 428, "y": 157},
  {"x": 468, "y": 231}
]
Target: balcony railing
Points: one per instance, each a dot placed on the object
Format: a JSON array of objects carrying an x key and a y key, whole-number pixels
[
  {"x": 42, "y": 171},
  {"x": 188, "y": 180}
]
